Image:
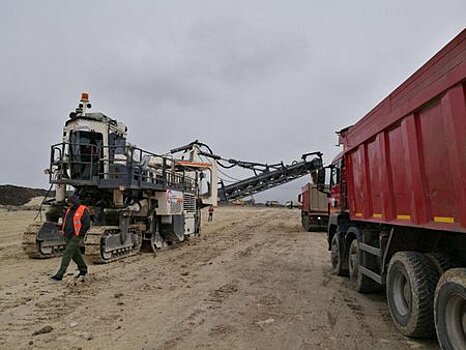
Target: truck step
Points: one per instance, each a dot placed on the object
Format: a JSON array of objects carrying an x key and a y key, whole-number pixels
[
  {"x": 371, "y": 274},
  {"x": 370, "y": 249}
]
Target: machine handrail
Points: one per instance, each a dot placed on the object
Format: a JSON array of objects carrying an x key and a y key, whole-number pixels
[{"x": 128, "y": 164}]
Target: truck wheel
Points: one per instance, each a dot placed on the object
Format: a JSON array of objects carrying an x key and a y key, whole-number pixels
[
  {"x": 314, "y": 225},
  {"x": 305, "y": 222},
  {"x": 411, "y": 282},
  {"x": 359, "y": 282},
  {"x": 450, "y": 310},
  {"x": 336, "y": 256}
]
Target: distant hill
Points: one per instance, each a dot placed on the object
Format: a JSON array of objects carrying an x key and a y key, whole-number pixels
[{"x": 17, "y": 195}]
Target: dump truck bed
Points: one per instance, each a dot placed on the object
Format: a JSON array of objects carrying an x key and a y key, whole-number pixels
[{"x": 406, "y": 159}]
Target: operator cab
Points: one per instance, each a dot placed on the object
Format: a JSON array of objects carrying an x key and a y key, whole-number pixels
[
  {"x": 94, "y": 152},
  {"x": 85, "y": 151},
  {"x": 93, "y": 143}
]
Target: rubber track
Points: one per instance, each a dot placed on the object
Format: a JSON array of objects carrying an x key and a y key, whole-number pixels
[
  {"x": 29, "y": 243},
  {"x": 93, "y": 245},
  {"x": 427, "y": 277}
]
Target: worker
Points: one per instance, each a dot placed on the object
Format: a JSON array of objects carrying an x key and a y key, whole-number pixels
[
  {"x": 211, "y": 213},
  {"x": 76, "y": 222}
]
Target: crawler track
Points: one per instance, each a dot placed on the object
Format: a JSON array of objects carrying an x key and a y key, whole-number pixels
[
  {"x": 98, "y": 253},
  {"x": 32, "y": 247}
]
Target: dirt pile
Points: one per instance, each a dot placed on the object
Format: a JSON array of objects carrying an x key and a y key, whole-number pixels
[{"x": 17, "y": 195}]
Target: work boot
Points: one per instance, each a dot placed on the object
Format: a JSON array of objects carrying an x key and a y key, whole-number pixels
[
  {"x": 56, "y": 278},
  {"x": 81, "y": 274}
]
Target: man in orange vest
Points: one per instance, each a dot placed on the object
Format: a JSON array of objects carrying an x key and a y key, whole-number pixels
[
  {"x": 211, "y": 213},
  {"x": 76, "y": 222}
]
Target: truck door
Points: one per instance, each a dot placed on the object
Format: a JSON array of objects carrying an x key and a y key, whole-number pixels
[{"x": 335, "y": 186}]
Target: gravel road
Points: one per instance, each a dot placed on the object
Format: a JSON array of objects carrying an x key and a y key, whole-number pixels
[{"x": 253, "y": 280}]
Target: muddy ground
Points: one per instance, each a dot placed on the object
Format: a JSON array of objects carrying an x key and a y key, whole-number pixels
[{"x": 253, "y": 280}]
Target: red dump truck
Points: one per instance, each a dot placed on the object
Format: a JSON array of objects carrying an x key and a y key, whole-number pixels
[
  {"x": 398, "y": 200},
  {"x": 314, "y": 208}
]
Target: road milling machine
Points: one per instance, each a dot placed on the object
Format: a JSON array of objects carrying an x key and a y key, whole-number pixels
[{"x": 134, "y": 196}]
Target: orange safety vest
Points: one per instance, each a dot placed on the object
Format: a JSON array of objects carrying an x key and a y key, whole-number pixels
[{"x": 76, "y": 219}]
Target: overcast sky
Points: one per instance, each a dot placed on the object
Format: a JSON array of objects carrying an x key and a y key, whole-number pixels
[{"x": 256, "y": 80}]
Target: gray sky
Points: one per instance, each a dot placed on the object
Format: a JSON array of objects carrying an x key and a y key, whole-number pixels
[{"x": 256, "y": 80}]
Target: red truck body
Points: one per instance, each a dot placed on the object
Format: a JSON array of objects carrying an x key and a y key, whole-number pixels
[
  {"x": 406, "y": 159},
  {"x": 397, "y": 209}
]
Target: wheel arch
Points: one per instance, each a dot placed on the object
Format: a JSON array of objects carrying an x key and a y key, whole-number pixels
[
  {"x": 337, "y": 222},
  {"x": 352, "y": 233}
]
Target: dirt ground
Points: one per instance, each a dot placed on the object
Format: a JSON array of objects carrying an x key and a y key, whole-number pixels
[{"x": 253, "y": 280}]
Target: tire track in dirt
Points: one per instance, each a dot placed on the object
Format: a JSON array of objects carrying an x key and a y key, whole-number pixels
[
  {"x": 252, "y": 280},
  {"x": 143, "y": 272}
]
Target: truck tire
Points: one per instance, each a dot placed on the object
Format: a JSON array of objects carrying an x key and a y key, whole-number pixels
[
  {"x": 315, "y": 225},
  {"x": 336, "y": 256},
  {"x": 359, "y": 282},
  {"x": 312, "y": 224},
  {"x": 411, "y": 282},
  {"x": 305, "y": 222},
  {"x": 450, "y": 310}
]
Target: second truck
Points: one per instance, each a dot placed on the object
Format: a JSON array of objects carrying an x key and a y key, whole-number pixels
[{"x": 314, "y": 208}]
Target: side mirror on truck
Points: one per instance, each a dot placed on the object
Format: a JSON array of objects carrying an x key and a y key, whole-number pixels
[{"x": 320, "y": 180}]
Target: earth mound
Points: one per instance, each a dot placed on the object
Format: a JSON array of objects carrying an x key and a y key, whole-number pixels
[{"x": 17, "y": 195}]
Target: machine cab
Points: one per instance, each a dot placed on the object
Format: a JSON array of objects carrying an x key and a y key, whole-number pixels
[{"x": 92, "y": 144}]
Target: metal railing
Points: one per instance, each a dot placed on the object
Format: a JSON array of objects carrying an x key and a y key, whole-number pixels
[{"x": 115, "y": 166}]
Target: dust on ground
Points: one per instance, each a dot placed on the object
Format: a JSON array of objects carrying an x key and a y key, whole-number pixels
[{"x": 253, "y": 280}]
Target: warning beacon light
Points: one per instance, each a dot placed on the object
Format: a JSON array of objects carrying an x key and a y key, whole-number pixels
[
  {"x": 83, "y": 105},
  {"x": 84, "y": 97}
]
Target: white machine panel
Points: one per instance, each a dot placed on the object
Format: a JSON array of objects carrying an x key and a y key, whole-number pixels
[
  {"x": 169, "y": 202},
  {"x": 189, "y": 222}
]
